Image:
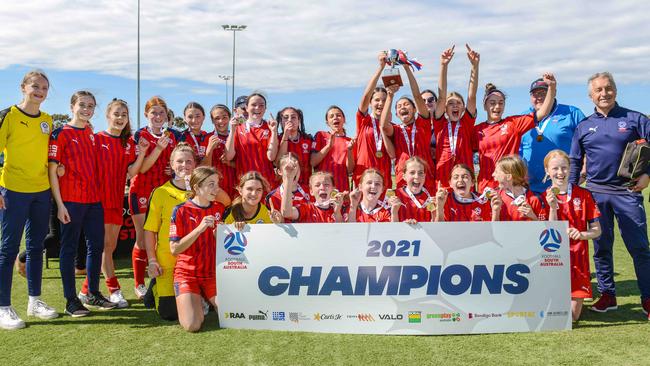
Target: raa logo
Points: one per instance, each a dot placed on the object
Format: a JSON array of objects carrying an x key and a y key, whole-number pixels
[
  {"x": 235, "y": 316},
  {"x": 235, "y": 243}
]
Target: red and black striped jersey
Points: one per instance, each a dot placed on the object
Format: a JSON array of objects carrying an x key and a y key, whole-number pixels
[
  {"x": 496, "y": 140},
  {"x": 144, "y": 183},
  {"x": 198, "y": 142},
  {"x": 228, "y": 180},
  {"x": 368, "y": 138},
  {"x": 335, "y": 162},
  {"x": 113, "y": 161},
  {"x": 251, "y": 144},
  {"x": 302, "y": 148},
  {"x": 74, "y": 147},
  {"x": 199, "y": 259}
]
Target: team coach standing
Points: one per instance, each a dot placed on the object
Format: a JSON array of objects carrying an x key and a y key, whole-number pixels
[{"x": 602, "y": 138}]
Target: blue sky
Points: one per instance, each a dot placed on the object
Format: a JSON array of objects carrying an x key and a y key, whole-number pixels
[{"x": 312, "y": 55}]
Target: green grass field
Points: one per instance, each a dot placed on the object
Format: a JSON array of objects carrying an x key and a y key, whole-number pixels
[{"x": 136, "y": 335}]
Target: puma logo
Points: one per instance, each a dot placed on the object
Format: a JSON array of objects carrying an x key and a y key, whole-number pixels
[
  {"x": 593, "y": 129},
  {"x": 192, "y": 218},
  {"x": 24, "y": 123},
  {"x": 105, "y": 147},
  {"x": 75, "y": 141}
]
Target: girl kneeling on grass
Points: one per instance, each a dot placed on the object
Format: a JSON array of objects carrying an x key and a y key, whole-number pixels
[
  {"x": 519, "y": 203},
  {"x": 569, "y": 202},
  {"x": 191, "y": 241},
  {"x": 465, "y": 205},
  {"x": 365, "y": 205}
]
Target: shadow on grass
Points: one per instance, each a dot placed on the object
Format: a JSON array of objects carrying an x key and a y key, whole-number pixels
[{"x": 135, "y": 317}]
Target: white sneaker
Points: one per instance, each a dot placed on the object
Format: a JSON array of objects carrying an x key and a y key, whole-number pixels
[
  {"x": 119, "y": 299},
  {"x": 41, "y": 310},
  {"x": 140, "y": 290},
  {"x": 9, "y": 319}
]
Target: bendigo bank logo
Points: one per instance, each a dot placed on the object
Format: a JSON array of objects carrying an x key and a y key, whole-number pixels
[
  {"x": 235, "y": 243},
  {"x": 550, "y": 240}
]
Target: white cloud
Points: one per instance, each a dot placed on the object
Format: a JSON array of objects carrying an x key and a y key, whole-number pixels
[{"x": 302, "y": 45}]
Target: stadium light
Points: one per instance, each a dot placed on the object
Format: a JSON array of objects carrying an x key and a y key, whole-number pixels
[{"x": 234, "y": 28}]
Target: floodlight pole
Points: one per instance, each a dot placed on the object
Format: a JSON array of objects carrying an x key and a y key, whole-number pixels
[
  {"x": 226, "y": 78},
  {"x": 234, "y": 29}
]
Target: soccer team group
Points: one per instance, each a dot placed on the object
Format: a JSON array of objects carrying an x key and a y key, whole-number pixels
[{"x": 252, "y": 170}]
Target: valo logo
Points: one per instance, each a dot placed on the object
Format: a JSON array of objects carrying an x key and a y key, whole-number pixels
[{"x": 550, "y": 240}]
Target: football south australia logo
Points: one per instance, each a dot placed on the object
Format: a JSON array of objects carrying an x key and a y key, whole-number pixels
[
  {"x": 550, "y": 240},
  {"x": 235, "y": 243}
]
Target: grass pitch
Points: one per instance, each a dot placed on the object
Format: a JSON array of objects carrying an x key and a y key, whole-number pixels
[{"x": 136, "y": 335}]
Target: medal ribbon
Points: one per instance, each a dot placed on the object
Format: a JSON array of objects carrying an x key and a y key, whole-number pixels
[
  {"x": 453, "y": 140},
  {"x": 410, "y": 145},
  {"x": 370, "y": 212},
  {"x": 568, "y": 194},
  {"x": 544, "y": 123},
  {"x": 379, "y": 142},
  {"x": 415, "y": 200},
  {"x": 299, "y": 189}
]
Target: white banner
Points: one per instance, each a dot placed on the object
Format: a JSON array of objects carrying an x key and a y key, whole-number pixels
[{"x": 393, "y": 278}]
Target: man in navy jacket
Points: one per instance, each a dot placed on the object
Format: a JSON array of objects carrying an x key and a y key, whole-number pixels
[{"x": 602, "y": 138}]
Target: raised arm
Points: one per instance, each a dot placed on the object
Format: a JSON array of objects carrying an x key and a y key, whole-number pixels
[
  {"x": 384, "y": 120},
  {"x": 415, "y": 90},
  {"x": 474, "y": 58},
  {"x": 445, "y": 59},
  {"x": 367, "y": 94},
  {"x": 289, "y": 175},
  {"x": 272, "y": 150},
  {"x": 229, "y": 149},
  {"x": 545, "y": 109}
]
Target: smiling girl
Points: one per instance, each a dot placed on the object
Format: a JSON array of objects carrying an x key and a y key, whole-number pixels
[
  {"x": 413, "y": 136},
  {"x": 247, "y": 208},
  {"x": 371, "y": 151},
  {"x": 415, "y": 198},
  {"x": 365, "y": 204},
  {"x": 295, "y": 140},
  {"x": 498, "y": 137},
  {"x": 153, "y": 173},
  {"x": 191, "y": 241},
  {"x": 215, "y": 151},
  {"x": 78, "y": 200},
  {"x": 254, "y": 143},
  {"x": 332, "y": 151},
  {"x": 464, "y": 204},
  {"x": 116, "y": 157},
  {"x": 453, "y": 123},
  {"x": 569, "y": 202},
  {"x": 25, "y": 195},
  {"x": 194, "y": 115}
]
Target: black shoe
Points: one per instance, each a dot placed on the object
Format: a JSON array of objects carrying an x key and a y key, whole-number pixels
[
  {"x": 149, "y": 300},
  {"x": 75, "y": 308},
  {"x": 98, "y": 301}
]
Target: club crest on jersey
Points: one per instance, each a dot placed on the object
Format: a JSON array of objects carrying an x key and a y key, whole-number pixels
[
  {"x": 265, "y": 134},
  {"x": 127, "y": 149},
  {"x": 142, "y": 200},
  {"x": 477, "y": 211},
  {"x": 92, "y": 138},
  {"x": 305, "y": 147},
  {"x": 576, "y": 203},
  {"x": 45, "y": 128},
  {"x": 622, "y": 126},
  {"x": 504, "y": 129}
]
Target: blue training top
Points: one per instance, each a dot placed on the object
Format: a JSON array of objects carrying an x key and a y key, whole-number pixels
[
  {"x": 602, "y": 139},
  {"x": 557, "y": 134}
]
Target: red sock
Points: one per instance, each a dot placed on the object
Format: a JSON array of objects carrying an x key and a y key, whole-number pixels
[
  {"x": 139, "y": 260},
  {"x": 112, "y": 284},
  {"x": 84, "y": 287}
]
